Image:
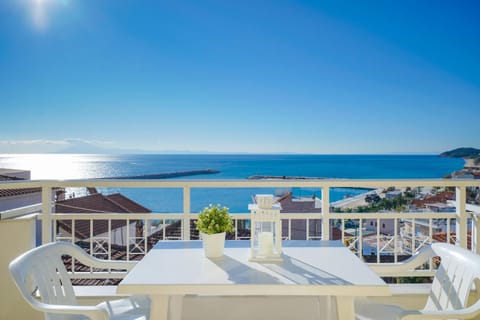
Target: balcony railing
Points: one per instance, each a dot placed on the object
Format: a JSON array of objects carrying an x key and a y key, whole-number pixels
[{"x": 360, "y": 231}]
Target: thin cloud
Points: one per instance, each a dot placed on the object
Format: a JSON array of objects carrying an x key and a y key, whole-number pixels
[
  {"x": 34, "y": 142},
  {"x": 47, "y": 145}
]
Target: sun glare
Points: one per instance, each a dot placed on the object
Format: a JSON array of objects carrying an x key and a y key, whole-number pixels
[
  {"x": 51, "y": 166},
  {"x": 39, "y": 15},
  {"x": 41, "y": 12}
]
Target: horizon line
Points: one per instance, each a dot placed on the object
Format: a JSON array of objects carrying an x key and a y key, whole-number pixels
[{"x": 219, "y": 153}]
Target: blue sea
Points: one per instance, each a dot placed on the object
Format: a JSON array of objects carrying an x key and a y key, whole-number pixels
[{"x": 230, "y": 166}]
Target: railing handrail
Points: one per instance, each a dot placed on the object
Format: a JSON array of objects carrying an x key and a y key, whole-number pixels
[
  {"x": 20, "y": 211},
  {"x": 240, "y": 183}
]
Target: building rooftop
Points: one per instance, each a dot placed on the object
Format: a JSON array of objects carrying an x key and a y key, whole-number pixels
[
  {"x": 97, "y": 203},
  {"x": 4, "y": 176},
  {"x": 442, "y": 197},
  {"x": 299, "y": 205}
]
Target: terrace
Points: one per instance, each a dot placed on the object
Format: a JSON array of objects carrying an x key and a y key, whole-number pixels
[{"x": 20, "y": 227}]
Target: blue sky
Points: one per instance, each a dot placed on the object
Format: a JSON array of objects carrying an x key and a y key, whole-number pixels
[{"x": 239, "y": 76}]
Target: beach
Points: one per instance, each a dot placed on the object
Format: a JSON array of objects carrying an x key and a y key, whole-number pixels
[{"x": 355, "y": 201}]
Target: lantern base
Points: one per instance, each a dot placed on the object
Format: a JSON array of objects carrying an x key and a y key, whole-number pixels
[{"x": 275, "y": 258}]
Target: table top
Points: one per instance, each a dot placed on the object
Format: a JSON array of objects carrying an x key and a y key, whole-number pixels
[{"x": 308, "y": 268}]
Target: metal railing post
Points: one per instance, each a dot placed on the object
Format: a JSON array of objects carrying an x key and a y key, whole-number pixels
[
  {"x": 475, "y": 215},
  {"x": 475, "y": 233},
  {"x": 461, "y": 211},
  {"x": 326, "y": 213},
  {"x": 186, "y": 213},
  {"x": 47, "y": 220}
]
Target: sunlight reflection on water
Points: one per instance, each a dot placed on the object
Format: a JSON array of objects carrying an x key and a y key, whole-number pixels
[
  {"x": 86, "y": 166},
  {"x": 61, "y": 166}
]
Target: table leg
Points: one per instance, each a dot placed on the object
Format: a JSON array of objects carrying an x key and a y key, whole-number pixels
[
  {"x": 159, "y": 307},
  {"x": 175, "y": 307},
  {"x": 165, "y": 307},
  {"x": 345, "y": 308}
]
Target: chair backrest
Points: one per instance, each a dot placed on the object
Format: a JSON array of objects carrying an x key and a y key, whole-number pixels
[
  {"x": 42, "y": 269},
  {"x": 455, "y": 277}
]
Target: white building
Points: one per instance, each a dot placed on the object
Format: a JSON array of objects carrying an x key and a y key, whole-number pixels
[
  {"x": 387, "y": 226},
  {"x": 393, "y": 194}
]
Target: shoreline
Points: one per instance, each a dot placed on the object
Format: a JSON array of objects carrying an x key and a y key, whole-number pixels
[{"x": 355, "y": 201}]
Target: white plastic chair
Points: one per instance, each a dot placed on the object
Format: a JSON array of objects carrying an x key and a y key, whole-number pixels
[
  {"x": 42, "y": 269},
  {"x": 457, "y": 275}
]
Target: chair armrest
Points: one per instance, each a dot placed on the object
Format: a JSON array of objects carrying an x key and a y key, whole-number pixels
[
  {"x": 465, "y": 313},
  {"x": 395, "y": 269},
  {"x": 86, "y": 259}
]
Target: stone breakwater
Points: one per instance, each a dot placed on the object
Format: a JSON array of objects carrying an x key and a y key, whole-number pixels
[{"x": 167, "y": 175}]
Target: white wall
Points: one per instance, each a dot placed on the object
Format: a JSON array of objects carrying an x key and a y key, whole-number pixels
[
  {"x": 16, "y": 236},
  {"x": 389, "y": 228},
  {"x": 14, "y": 202}
]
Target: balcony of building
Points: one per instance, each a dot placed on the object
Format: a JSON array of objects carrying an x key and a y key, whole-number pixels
[{"x": 386, "y": 235}]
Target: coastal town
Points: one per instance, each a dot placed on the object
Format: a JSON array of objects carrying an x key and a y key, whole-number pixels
[{"x": 471, "y": 169}]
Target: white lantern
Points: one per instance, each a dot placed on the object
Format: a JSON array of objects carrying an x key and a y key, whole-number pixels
[{"x": 266, "y": 230}]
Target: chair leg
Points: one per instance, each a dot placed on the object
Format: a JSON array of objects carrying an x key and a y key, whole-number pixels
[{"x": 327, "y": 308}]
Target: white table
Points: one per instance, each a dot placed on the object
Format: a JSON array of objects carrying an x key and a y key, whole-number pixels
[{"x": 173, "y": 269}]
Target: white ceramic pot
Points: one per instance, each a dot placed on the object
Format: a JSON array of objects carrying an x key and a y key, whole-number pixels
[{"x": 213, "y": 244}]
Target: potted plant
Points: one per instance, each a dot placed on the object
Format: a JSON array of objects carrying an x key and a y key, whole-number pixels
[{"x": 213, "y": 223}]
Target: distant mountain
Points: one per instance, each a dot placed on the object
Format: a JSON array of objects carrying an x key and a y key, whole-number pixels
[
  {"x": 462, "y": 153},
  {"x": 82, "y": 147}
]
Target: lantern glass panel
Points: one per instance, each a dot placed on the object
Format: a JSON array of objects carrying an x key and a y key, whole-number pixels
[{"x": 266, "y": 237}]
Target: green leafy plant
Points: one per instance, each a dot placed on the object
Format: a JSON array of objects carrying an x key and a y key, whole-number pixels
[{"x": 214, "y": 219}]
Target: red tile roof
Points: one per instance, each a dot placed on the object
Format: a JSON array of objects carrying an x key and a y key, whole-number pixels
[
  {"x": 290, "y": 206},
  {"x": 442, "y": 237},
  {"x": 16, "y": 192},
  {"x": 97, "y": 203},
  {"x": 114, "y": 203},
  {"x": 438, "y": 198}
]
